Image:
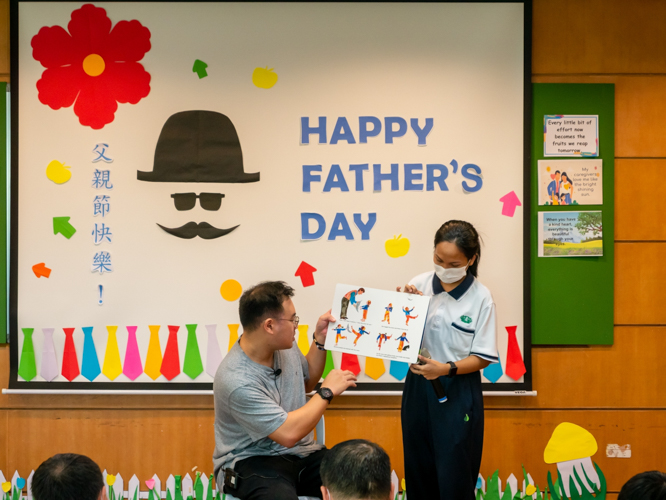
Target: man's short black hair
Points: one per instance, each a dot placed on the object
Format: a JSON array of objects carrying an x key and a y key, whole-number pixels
[
  {"x": 357, "y": 469},
  {"x": 650, "y": 485},
  {"x": 261, "y": 301},
  {"x": 67, "y": 477}
]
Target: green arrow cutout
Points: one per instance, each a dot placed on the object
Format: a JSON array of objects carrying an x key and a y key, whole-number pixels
[
  {"x": 200, "y": 68},
  {"x": 61, "y": 225}
]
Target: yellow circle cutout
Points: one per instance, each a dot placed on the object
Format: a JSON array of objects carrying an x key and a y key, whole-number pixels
[
  {"x": 231, "y": 290},
  {"x": 93, "y": 65}
]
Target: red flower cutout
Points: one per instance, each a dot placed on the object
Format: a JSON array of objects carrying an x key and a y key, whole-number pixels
[{"x": 93, "y": 66}]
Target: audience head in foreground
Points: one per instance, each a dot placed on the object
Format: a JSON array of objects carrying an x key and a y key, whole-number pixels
[
  {"x": 68, "y": 476},
  {"x": 356, "y": 470},
  {"x": 650, "y": 485}
]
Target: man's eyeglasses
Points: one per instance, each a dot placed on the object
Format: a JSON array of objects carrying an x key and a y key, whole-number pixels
[
  {"x": 295, "y": 321},
  {"x": 208, "y": 201}
]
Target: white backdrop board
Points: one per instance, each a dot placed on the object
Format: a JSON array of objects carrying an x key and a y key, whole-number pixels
[{"x": 384, "y": 120}]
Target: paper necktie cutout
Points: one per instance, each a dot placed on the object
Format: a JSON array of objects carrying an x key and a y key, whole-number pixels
[
  {"x": 132, "y": 367},
  {"x": 329, "y": 364},
  {"x": 28, "y": 366},
  {"x": 171, "y": 361},
  {"x": 494, "y": 371},
  {"x": 398, "y": 369},
  {"x": 49, "y": 368},
  {"x": 213, "y": 353},
  {"x": 89, "y": 362},
  {"x": 233, "y": 335},
  {"x": 70, "y": 365},
  {"x": 350, "y": 362},
  {"x": 374, "y": 368},
  {"x": 154, "y": 356},
  {"x": 112, "y": 366},
  {"x": 192, "y": 365},
  {"x": 515, "y": 367},
  {"x": 303, "y": 340}
]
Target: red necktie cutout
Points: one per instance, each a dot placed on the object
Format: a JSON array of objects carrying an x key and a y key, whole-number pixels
[
  {"x": 515, "y": 367},
  {"x": 171, "y": 361},
  {"x": 70, "y": 365},
  {"x": 350, "y": 362}
]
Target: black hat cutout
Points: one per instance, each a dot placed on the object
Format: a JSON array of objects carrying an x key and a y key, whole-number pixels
[{"x": 198, "y": 146}]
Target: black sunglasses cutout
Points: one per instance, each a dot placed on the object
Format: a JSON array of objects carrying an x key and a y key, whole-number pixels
[{"x": 208, "y": 201}]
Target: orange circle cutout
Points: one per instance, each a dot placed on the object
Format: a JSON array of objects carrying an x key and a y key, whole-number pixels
[
  {"x": 93, "y": 65},
  {"x": 231, "y": 290}
]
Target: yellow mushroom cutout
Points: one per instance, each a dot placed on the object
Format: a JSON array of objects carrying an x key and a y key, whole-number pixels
[{"x": 571, "y": 448}]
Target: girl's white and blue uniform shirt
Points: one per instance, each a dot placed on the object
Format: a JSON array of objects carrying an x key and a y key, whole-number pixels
[{"x": 460, "y": 323}]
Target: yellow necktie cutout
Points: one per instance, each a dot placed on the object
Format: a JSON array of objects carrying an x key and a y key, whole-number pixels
[
  {"x": 112, "y": 365},
  {"x": 303, "y": 340},
  {"x": 374, "y": 368},
  {"x": 233, "y": 335},
  {"x": 154, "y": 356}
]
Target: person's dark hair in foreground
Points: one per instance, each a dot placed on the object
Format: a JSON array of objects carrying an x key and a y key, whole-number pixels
[
  {"x": 68, "y": 476},
  {"x": 261, "y": 301},
  {"x": 356, "y": 470},
  {"x": 650, "y": 485}
]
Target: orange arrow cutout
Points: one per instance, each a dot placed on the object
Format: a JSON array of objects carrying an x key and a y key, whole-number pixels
[{"x": 41, "y": 270}]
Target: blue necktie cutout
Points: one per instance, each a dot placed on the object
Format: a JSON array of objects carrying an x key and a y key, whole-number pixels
[
  {"x": 90, "y": 363},
  {"x": 494, "y": 371},
  {"x": 399, "y": 369}
]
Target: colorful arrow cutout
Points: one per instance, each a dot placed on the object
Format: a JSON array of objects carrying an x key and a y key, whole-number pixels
[
  {"x": 61, "y": 225},
  {"x": 305, "y": 272},
  {"x": 41, "y": 270},
  {"x": 510, "y": 201},
  {"x": 200, "y": 68}
]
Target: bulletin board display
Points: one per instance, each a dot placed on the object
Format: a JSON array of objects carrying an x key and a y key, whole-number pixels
[
  {"x": 168, "y": 155},
  {"x": 572, "y": 296}
]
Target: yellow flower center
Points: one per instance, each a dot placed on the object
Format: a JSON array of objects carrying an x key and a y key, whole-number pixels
[{"x": 93, "y": 65}]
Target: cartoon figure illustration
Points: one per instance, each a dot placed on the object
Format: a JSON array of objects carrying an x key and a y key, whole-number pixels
[
  {"x": 567, "y": 187},
  {"x": 365, "y": 308},
  {"x": 387, "y": 313},
  {"x": 554, "y": 187},
  {"x": 382, "y": 338},
  {"x": 193, "y": 147},
  {"x": 338, "y": 333},
  {"x": 563, "y": 199},
  {"x": 361, "y": 331},
  {"x": 403, "y": 339},
  {"x": 408, "y": 315},
  {"x": 349, "y": 298}
]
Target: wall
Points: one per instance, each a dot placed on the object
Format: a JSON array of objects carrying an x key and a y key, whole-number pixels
[{"x": 615, "y": 392}]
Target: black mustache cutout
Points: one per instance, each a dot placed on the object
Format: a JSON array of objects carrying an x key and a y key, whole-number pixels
[{"x": 202, "y": 230}]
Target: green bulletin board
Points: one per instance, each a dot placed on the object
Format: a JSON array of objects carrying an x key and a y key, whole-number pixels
[{"x": 572, "y": 297}]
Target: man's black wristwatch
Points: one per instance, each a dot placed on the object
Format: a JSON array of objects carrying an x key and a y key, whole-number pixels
[
  {"x": 453, "y": 370},
  {"x": 319, "y": 346},
  {"x": 325, "y": 393}
]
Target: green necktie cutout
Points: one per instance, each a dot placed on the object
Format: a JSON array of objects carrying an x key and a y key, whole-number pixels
[
  {"x": 192, "y": 366},
  {"x": 28, "y": 368}
]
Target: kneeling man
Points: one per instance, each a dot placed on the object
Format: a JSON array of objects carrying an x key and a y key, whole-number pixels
[{"x": 264, "y": 442}]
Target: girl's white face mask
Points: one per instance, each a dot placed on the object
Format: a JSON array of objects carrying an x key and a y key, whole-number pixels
[{"x": 451, "y": 275}]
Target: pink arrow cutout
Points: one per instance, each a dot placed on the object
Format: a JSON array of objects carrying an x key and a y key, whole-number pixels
[
  {"x": 510, "y": 201},
  {"x": 305, "y": 272}
]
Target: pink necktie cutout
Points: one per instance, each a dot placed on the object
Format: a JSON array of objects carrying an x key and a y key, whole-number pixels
[{"x": 132, "y": 367}]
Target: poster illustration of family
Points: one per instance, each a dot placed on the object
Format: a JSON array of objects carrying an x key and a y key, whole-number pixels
[
  {"x": 570, "y": 182},
  {"x": 570, "y": 234},
  {"x": 377, "y": 323}
]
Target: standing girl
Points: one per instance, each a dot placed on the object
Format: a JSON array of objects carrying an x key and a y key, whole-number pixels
[{"x": 443, "y": 441}]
